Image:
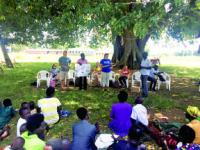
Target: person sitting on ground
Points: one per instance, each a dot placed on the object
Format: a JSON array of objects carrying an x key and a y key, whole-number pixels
[
  {"x": 17, "y": 144},
  {"x": 50, "y": 107},
  {"x": 133, "y": 143},
  {"x": 120, "y": 115},
  {"x": 124, "y": 76},
  {"x": 25, "y": 105},
  {"x": 57, "y": 144},
  {"x": 192, "y": 114},
  {"x": 35, "y": 128},
  {"x": 186, "y": 138},
  {"x": 96, "y": 75},
  {"x": 83, "y": 132},
  {"x": 139, "y": 116},
  {"x": 6, "y": 113},
  {"x": 24, "y": 114},
  {"x": 32, "y": 107}
]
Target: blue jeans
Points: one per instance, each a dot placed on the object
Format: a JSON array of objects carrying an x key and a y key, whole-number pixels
[{"x": 144, "y": 85}]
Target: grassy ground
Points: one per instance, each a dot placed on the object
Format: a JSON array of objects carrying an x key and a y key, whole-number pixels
[{"x": 15, "y": 84}]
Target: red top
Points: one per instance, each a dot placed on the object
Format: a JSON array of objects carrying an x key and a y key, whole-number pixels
[{"x": 124, "y": 72}]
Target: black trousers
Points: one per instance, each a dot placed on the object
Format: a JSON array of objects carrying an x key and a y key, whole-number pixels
[
  {"x": 153, "y": 82},
  {"x": 122, "y": 81},
  {"x": 82, "y": 83}
]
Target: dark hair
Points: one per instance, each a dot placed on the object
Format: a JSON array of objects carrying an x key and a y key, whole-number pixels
[
  {"x": 32, "y": 105},
  {"x": 21, "y": 111},
  {"x": 186, "y": 134},
  {"x": 81, "y": 113},
  {"x": 139, "y": 100},
  {"x": 23, "y": 105},
  {"x": 50, "y": 91},
  {"x": 122, "y": 96},
  {"x": 34, "y": 122},
  {"x": 134, "y": 133},
  {"x": 7, "y": 102}
]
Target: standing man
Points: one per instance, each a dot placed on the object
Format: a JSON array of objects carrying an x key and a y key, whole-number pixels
[
  {"x": 145, "y": 68},
  {"x": 64, "y": 62},
  {"x": 82, "y": 78},
  {"x": 105, "y": 71}
]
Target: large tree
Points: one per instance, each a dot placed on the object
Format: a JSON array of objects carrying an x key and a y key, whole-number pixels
[{"x": 127, "y": 23}]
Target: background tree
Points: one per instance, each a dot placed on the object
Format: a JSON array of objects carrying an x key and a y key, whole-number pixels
[{"x": 127, "y": 23}]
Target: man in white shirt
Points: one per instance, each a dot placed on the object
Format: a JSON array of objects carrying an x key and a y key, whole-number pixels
[
  {"x": 145, "y": 68},
  {"x": 24, "y": 114},
  {"x": 139, "y": 113}
]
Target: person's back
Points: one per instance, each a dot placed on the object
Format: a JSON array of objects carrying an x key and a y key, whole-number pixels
[
  {"x": 83, "y": 132},
  {"x": 139, "y": 112},
  {"x": 49, "y": 109},
  {"x": 120, "y": 115},
  {"x": 34, "y": 127},
  {"x": 6, "y": 113},
  {"x": 133, "y": 142},
  {"x": 32, "y": 142}
]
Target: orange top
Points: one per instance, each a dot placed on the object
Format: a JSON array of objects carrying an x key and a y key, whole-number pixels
[{"x": 195, "y": 125}]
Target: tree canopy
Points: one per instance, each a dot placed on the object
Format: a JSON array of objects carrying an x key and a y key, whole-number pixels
[{"x": 66, "y": 22}]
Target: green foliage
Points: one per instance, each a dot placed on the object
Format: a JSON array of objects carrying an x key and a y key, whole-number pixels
[{"x": 68, "y": 21}]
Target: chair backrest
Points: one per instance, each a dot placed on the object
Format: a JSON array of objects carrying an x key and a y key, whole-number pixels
[
  {"x": 112, "y": 75},
  {"x": 136, "y": 76},
  {"x": 43, "y": 75},
  {"x": 166, "y": 76},
  {"x": 71, "y": 74}
]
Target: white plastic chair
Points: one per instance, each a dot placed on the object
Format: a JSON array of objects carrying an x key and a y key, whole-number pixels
[
  {"x": 135, "y": 79},
  {"x": 43, "y": 75},
  {"x": 71, "y": 76},
  {"x": 112, "y": 76},
  {"x": 167, "y": 81}
]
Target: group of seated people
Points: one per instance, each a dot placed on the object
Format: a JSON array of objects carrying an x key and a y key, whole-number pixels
[{"x": 129, "y": 126}]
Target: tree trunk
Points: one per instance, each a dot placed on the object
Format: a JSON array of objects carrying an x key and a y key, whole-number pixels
[
  {"x": 128, "y": 50},
  {"x": 5, "y": 54}
]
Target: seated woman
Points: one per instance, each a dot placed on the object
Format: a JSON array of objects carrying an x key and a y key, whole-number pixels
[
  {"x": 193, "y": 114},
  {"x": 54, "y": 72},
  {"x": 133, "y": 142},
  {"x": 120, "y": 115},
  {"x": 186, "y": 138},
  {"x": 124, "y": 76},
  {"x": 96, "y": 74}
]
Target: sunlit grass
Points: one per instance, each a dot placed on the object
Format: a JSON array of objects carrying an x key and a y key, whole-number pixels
[{"x": 15, "y": 84}]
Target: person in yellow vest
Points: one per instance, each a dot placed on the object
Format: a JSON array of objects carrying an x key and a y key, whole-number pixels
[
  {"x": 34, "y": 128},
  {"x": 50, "y": 107}
]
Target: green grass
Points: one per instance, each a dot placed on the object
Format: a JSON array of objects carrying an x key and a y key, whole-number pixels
[
  {"x": 183, "y": 72},
  {"x": 15, "y": 84}
]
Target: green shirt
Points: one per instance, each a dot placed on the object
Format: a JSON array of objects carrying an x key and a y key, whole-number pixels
[{"x": 32, "y": 142}]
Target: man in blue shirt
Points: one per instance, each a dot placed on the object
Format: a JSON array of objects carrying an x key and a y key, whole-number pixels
[
  {"x": 105, "y": 71},
  {"x": 64, "y": 62}
]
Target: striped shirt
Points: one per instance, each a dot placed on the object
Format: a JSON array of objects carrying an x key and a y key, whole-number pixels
[{"x": 48, "y": 108}]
